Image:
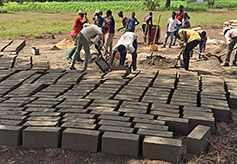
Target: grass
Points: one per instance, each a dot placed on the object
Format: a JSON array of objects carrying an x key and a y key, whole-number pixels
[{"x": 34, "y": 23}]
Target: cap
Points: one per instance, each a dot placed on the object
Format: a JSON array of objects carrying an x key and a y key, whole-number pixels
[
  {"x": 225, "y": 30},
  {"x": 97, "y": 11},
  {"x": 80, "y": 12}
]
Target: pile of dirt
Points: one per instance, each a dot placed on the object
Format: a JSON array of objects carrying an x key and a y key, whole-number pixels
[
  {"x": 45, "y": 35},
  {"x": 211, "y": 64},
  {"x": 65, "y": 43},
  {"x": 159, "y": 62}
]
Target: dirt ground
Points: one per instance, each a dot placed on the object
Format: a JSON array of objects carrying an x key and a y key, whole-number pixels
[{"x": 223, "y": 145}]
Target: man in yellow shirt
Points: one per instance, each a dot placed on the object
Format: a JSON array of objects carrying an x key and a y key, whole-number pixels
[{"x": 191, "y": 39}]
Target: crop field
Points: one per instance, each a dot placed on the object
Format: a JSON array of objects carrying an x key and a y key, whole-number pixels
[{"x": 112, "y": 5}]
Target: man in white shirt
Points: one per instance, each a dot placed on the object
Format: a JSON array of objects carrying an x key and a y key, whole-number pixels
[
  {"x": 127, "y": 42},
  {"x": 84, "y": 37},
  {"x": 231, "y": 40},
  {"x": 171, "y": 26}
]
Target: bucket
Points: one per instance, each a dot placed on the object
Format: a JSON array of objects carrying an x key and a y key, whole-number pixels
[
  {"x": 154, "y": 48},
  {"x": 117, "y": 55}
]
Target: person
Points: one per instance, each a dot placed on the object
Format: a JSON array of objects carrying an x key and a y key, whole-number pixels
[
  {"x": 128, "y": 41},
  {"x": 171, "y": 26},
  {"x": 180, "y": 13},
  {"x": 109, "y": 41},
  {"x": 124, "y": 23},
  {"x": 202, "y": 44},
  {"x": 132, "y": 22},
  {"x": 147, "y": 23},
  {"x": 77, "y": 27},
  {"x": 185, "y": 21},
  {"x": 84, "y": 37},
  {"x": 98, "y": 19},
  {"x": 191, "y": 39},
  {"x": 231, "y": 40}
]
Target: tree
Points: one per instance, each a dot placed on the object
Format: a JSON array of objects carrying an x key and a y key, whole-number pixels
[
  {"x": 167, "y": 4},
  {"x": 1, "y": 2}
]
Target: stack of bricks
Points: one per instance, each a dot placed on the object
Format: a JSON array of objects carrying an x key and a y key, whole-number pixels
[
  {"x": 231, "y": 88},
  {"x": 136, "y": 88},
  {"x": 23, "y": 63},
  {"x": 95, "y": 112},
  {"x": 7, "y": 62},
  {"x": 231, "y": 24},
  {"x": 213, "y": 96}
]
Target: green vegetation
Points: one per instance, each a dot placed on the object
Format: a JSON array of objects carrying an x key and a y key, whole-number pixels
[
  {"x": 34, "y": 23},
  {"x": 72, "y": 6}
]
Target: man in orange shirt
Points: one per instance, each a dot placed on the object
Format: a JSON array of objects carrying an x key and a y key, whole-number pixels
[{"x": 77, "y": 27}]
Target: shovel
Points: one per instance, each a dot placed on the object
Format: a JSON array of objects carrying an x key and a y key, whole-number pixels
[
  {"x": 178, "y": 58},
  {"x": 148, "y": 58}
]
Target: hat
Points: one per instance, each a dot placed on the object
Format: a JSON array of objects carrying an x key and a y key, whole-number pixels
[
  {"x": 97, "y": 11},
  {"x": 225, "y": 30},
  {"x": 80, "y": 12}
]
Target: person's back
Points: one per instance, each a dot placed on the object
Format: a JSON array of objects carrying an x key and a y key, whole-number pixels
[
  {"x": 191, "y": 35},
  {"x": 127, "y": 40},
  {"x": 91, "y": 32},
  {"x": 232, "y": 33}
]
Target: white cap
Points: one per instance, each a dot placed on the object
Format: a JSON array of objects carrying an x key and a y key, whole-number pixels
[
  {"x": 97, "y": 11},
  {"x": 225, "y": 30},
  {"x": 80, "y": 12}
]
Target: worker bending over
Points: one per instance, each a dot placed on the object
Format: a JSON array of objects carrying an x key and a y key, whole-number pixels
[
  {"x": 127, "y": 42},
  {"x": 84, "y": 37},
  {"x": 190, "y": 39}
]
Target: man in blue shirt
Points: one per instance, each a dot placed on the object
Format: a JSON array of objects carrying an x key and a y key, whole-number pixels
[{"x": 132, "y": 22}]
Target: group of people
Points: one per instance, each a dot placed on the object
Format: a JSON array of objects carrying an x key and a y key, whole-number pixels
[
  {"x": 178, "y": 27},
  {"x": 103, "y": 25}
]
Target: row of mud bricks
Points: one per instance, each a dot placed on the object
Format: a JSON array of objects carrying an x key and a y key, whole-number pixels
[{"x": 140, "y": 115}]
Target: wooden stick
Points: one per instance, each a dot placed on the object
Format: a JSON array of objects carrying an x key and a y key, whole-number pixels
[{"x": 154, "y": 39}]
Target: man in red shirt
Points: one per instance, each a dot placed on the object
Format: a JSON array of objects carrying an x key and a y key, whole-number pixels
[
  {"x": 180, "y": 13},
  {"x": 77, "y": 27}
]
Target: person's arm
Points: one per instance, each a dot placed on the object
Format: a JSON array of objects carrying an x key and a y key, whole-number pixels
[
  {"x": 185, "y": 36},
  {"x": 112, "y": 58},
  {"x": 137, "y": 22},
  {"x": 151, "y": 22}
]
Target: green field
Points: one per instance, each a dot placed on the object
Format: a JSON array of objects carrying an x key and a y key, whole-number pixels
[
  {"x": 58, "y": 17},
  {"x": 112, "y": 5}
]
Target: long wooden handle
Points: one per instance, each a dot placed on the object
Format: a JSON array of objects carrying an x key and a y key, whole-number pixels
[{"x": 154, "y": 39}]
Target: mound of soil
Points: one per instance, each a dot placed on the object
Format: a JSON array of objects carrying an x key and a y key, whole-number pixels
[
  {"x": 159, "y": 62},
  {"x": 65, "y": 43}
]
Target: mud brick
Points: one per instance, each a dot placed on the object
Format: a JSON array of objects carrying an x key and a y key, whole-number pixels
[
  {"x": 161, "y": 113},
  {"x": 73, "y": 110},
  {"x": 173, "y": 102},
  {"x": 160, "y": 148},
  {"x": 71, "y": 106},
  {"x": 211, "y": 96},
  {"x": 81, "y": 139},
  {"x": 169, "y": 110},
  {"x": 134, "y": 106},
  {"x": 198, "y": 139},
  {"x": 131, "y": 93},
  {"x": 41, "y": 137},
  {"x": 136, "y": 115},
  {"x": 40, "y": 106},
  {"x": 101, "y": 101},
  {"x": 176, "y": 125},
  {"x": 43, "y": 118},
  {"x": 146, "y": 132},
  {"x": 115, "y": 123},
  {"x": 220, "y": 113},
  {"x": 125, "y": 144},
  {"x": 11, "y": 122},
  {"x": 101, "y": 109},
  {"x": 233, "y": 100},
  {"x": 40, "y": 109},
  {"x": 79, "y": 125},
  {"x": 98, "y": 96},
  {"x": 222, "y": 103},
  {"x": 15, "y": 113},
  {"x": 79, "y": 120},
  {"x": 56, "y": 100},
  {"x": 150, "y": 99},
  {"x": 201, "y": 120},
  {"x": 10, "y": 135},
  {"x": 112, "y": 117},
  {"x": 41, "y": 123},
  {"x": 127, "y": 110},
  {"x": 197, "y": 113},
  {"x": 151, "y": 126},
  {"x": 158, "y": 104},
  {"x": 194, "y": 109},
  {"x": 51, "y": 114},
  {"x": 11, "y": 104},
  {"x": 104, "y": 105},
  {"x": 79, "y": 115},
  {"x": 105, "y": 112},
  {"x": 128, "y": 97},
  {"x": 116, "y": 129},
  {"x": 12, "y": 117},
  {"x": 148, "y": 121}
]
